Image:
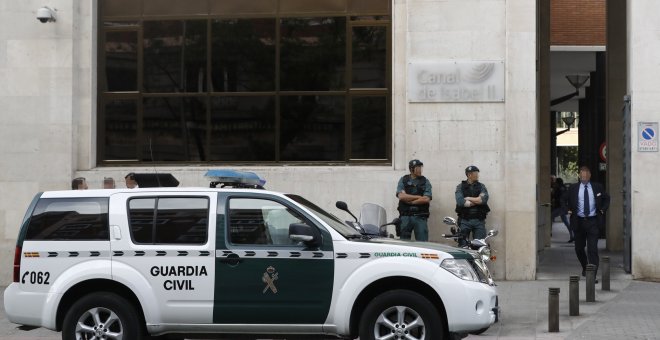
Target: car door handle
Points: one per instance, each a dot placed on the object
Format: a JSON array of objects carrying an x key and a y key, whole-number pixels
[{"x": 231, "y": 259}]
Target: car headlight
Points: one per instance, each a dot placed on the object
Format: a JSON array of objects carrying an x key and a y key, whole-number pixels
[{"x": 461, "y": 268}]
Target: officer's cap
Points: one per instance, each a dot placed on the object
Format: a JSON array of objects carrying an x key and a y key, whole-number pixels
[
  {"x": 414, "y": 163},
  {"x": 471, "y": 168}
]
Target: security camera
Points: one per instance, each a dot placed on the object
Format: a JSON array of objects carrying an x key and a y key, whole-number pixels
[{"x": 45, "y": 14}]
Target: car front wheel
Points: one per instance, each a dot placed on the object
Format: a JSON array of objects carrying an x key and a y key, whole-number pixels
[
  {"x": 101, "y": 316},
  {"x": 401, "y": 314}
]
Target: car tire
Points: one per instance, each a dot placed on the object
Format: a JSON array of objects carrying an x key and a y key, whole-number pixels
[
  {"x": 420, "y": 319},
  {"x": 479, "y": 331},
  {"x": 101, "y": 314}
]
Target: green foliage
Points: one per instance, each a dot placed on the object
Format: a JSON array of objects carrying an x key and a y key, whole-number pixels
[{"x": 567, "y": 157}]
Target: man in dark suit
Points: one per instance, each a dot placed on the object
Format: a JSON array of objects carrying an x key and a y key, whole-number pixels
[{"x": 587, "y": 202}]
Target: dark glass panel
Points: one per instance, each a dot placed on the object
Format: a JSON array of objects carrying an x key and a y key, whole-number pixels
[
  {"x": 312, "y": 128},
  {"x": 120, "y": 129},
  {"x": 242, "y": 129},
  {"x": 369, "y": 6},
  {"x": 369, "y": 128},
  {"x": 121, "y": 61},
  {"x": 313, "y": 53},
  {"x": 369, "y": 57},
  {"x": 75, "y": 219},
  {"x": 175, "y": 7},
  {"x": 182, "y": 220},
  {"x": 175, "y": 56},
  {"x": 174, "y": 129},
  {"x": 120, "y": 8},
  {"x": 243, "y": 55},
  {"x": 238, "y": 7},
  {"x": 141, "y": 218},
  {"x": 307, "y": 6}
]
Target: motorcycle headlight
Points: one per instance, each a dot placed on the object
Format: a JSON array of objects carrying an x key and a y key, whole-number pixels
[
  {"x": 485, "y": 253},
  {"x": 461, "y": 268}
]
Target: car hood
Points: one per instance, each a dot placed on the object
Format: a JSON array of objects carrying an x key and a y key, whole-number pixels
[{"x": 454, "y": 251}]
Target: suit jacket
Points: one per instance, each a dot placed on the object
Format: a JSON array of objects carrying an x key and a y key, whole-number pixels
[{"x": 571, "y": 198}]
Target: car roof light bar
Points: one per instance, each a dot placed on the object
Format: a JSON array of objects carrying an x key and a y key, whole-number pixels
[{"x": 234, "y": 179}]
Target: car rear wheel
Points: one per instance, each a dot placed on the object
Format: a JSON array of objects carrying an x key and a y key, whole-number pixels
[
  {"x": 401, "y": 314},
  {"x": 479, "y": 331},
  {"x": 101, "y": 316}
]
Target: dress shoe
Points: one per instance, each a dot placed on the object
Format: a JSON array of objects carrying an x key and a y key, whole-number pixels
[
  {"x": 596, "y": 281},
  {"x": 570, "y": 241}
]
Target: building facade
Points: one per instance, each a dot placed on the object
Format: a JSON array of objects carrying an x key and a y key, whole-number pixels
[{"x": 329, "y": 99}]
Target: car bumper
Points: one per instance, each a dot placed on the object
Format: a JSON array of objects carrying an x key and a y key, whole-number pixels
[
  {"x": 470, "y": 305},
  {"x": 27, "y": 308}
]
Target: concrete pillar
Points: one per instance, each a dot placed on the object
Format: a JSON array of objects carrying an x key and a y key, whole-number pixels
[
  {"x": 520, "y": 145},
  {"x": 616, "y": 88},
  {"x": 545, "y": 128}
]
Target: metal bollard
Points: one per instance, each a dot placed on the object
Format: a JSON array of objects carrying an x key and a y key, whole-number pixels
[
  {"x": 591, "y": 283},
  {"x": 605, "y": 284},
  {"x": 553, "y": 309},
  {"x": 574, "y": 295}
]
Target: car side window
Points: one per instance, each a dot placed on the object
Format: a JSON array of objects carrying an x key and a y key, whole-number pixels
[
  {"x": 260, "y": 221},
  {"x": 70, "y": 219},
  {"x": 169, "y": 220}
]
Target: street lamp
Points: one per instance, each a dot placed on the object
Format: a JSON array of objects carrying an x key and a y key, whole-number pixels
[
  {"x": 577, "y": 80},
  {"x": 568, "y": 120}
]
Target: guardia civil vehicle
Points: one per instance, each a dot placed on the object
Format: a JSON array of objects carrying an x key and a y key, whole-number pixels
[{"x": 188, "y": 262}]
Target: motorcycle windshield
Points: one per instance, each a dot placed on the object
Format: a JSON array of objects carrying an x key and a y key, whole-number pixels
[{"x": 333, "y": 221}]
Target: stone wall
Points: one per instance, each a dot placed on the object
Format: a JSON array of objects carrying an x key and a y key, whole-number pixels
[
  {"x": 644, "y": 72},
  {"x": 48, "y": 101}
]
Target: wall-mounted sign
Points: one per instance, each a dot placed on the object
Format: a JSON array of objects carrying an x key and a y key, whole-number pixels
[
  {"x": 647, "y": 138},
  {"x": 456, "y": 81}
]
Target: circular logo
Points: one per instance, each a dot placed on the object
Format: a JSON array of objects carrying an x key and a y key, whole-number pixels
[{"x": 648, "y": 133}]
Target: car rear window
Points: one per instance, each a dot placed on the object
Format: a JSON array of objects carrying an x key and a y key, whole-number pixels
[{"x": 69, "y": 219}]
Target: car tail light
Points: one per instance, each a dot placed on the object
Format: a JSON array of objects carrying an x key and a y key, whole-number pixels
[{"x": 17, "y": 264}]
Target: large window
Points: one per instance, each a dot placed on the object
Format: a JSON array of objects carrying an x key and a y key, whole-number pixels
[{"x": 261, "y": 81}]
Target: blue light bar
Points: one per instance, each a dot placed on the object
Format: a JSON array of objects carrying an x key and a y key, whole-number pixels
[{"x": 234, "y": 178}]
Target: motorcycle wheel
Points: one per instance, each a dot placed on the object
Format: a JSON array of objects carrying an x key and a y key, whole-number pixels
[{"x": 419, "y": 318}]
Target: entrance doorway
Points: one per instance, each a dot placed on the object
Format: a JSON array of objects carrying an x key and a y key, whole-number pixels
[{"x": 582, "y": 81}]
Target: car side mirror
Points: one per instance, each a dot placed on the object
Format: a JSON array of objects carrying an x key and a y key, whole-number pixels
[{"x": 300, "y": 232}]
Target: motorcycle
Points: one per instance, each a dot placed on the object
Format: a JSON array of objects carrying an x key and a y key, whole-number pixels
[
  {"x": 480, "y": 245},
  {"x": 372, "y": 222}
]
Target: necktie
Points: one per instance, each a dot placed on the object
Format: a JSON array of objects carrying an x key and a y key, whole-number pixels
[{"x": 587, "y": 208}]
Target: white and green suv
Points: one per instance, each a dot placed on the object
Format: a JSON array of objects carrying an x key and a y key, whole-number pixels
[{"x": 135, "y": 264}]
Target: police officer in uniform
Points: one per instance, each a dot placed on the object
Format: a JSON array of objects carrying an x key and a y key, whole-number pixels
[
  {"x": 471, "y": 206},
  {"x": 414, "y": 193}
]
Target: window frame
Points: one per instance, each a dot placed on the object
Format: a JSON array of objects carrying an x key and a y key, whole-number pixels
[{"x": 357, "y": 14}]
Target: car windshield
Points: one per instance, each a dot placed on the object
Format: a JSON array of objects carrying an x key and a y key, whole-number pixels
[{"x": 332, "y": 220}]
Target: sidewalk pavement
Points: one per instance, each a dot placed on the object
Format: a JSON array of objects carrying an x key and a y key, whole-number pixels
[{"x": 630, "y": 310}]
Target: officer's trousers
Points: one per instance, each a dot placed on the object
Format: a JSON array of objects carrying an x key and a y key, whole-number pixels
[
  {"x": 417, "y": 224},
  {"x": 474, "y": 226}
]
